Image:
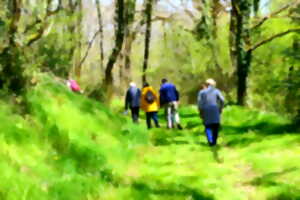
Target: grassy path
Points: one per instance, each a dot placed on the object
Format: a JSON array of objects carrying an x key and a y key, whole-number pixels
[
  {"x": 258, "y": 158},
  {"x": 71, "y": 147}
]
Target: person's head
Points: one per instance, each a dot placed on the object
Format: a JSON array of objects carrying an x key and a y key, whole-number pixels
[
  {"x": 146, "y": 85},
  {"x": 210, "y": 82},
  {"x": 164, "y": 80},
  {"x": 132, "y": 84}
]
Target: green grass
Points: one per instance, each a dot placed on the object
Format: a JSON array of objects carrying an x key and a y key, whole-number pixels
[
  {"x": 257, "y": 158},
  {"x": 70, "y": 147}
]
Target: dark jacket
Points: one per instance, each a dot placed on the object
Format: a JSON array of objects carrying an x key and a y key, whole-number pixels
[
  {"x": 132, "y": 99},
  {"x": 210, "y": 102},
  {"x": 168, "y": 93}
]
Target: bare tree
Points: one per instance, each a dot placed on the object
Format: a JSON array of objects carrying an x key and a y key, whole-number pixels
[
  {"x": 100, "y": 24},
  {"x": 119, "y": 38},
  {"x": 148, "y": 14},
  {"x": 130, "y": 34}
]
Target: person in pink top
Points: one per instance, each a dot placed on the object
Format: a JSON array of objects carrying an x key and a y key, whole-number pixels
[{"x": 73, "y": 85}]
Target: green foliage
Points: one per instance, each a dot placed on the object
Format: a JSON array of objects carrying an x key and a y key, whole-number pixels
[{"x": 68, "y": 147}]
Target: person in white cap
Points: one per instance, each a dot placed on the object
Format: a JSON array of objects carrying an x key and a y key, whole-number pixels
[
  {"x": 132, "y": 101},
  {"x": 210, "y": 104}
]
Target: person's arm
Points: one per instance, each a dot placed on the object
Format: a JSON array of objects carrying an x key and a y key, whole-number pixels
[
  {"x": 199, "y": 104},
  {"x": 127, "y": 100},
  {"x": 221, "y": 100},
  {"x": 199, "y": 100},
  {"x": 161, "y": 97},
  {"x": 177, "y": 94}
]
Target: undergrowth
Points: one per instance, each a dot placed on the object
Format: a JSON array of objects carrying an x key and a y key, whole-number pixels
[{"x": 71, "y": 147}]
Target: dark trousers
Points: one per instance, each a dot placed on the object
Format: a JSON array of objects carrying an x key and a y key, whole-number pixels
[
  {"x": 135, "y": 114},
  {"x": 212, "y": 132},
  {"x": 149, "y": 116}
]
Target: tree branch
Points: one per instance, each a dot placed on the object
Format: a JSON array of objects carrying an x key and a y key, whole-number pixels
[
  {"x": 13, "y": 27},
  {"x": 273, "y": 37},
  {"x": 49, "y": 13},
  {"x": 90, "y": 44},
  {"x": 285, "y": 7},
  {"x": 44, "y": 26}
]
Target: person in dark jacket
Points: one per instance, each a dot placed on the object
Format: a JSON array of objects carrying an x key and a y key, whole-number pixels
[
  {"x": 169, "y": 97},
  {"x": 132, "y": 101},
  {"x": 210, "y": 105}
]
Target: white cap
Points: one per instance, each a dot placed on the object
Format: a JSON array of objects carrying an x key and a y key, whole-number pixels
[
  {"x": 211, "y": 82},
  {"x": 132, "y": 84}
]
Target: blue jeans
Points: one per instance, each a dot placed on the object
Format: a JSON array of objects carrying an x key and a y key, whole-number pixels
[
  {"x": 212, "y": 132},
  {"x": 149, "y": 116}
]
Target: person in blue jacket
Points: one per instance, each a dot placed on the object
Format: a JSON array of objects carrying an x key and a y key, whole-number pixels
[
  {"x": 169, "y": 97},
  {"x": 210, "y": 105},
  {"x": 132, "y": 101}
]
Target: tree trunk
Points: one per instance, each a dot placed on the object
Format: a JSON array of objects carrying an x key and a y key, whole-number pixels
[
  {"x": 213, "y": 42},
  {"x": 77, "y": 63},
  {"x": 119, "y": 38},
  {"x": 129, "y": 39},
  {"x": 127, "y": 52},
  {"x": 148, "y": 14},
  {"x": 12, "y": 74},
  {"x": 120, "y": 64},
  {"x": 100, "y": 24},
  {"x": 72, "y": 6},
  {"x": 239, "y": 42}
]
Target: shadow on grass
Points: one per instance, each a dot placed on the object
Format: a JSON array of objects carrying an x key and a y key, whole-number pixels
[
  {"x": 215, "y": 152},
  {"x": 262, "y": 128},
  {"x": 168, "y": 191},
  {"x": 286, "y": 196},
  {"x": 192, "y": 115},
  {"x": 286, "y": 191},
  {"x": 268, "y": 179},
  {"x": 239, "y": 135},
  {"x": 168, "y": 140},
  {"x": 193, "y": 124},
  {"x": 242, "y": 141}
]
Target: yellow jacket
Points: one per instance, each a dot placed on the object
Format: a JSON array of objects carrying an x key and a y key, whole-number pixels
[{"x": 153, "y": 107}]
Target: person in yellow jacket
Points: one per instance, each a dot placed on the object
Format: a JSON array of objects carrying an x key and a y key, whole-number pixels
[{"x": 150, "y": 104}]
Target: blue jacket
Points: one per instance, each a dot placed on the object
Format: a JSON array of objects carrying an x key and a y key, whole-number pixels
[
  {"x": 210, "y": 102},
  {"x": 168, "y": 93},
  {"x": 133, "y": 98}
]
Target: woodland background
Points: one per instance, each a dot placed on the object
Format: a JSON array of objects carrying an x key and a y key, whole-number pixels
[{"x": 251, "y": 47}]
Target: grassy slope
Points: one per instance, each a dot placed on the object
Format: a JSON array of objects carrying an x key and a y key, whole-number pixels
[
  {"x": 68, "y": 148},
  {"x": 73, "y": 148}
]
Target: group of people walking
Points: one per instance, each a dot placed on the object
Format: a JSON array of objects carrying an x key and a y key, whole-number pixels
[
  {"x": 210, "y": 103},
  {"x": 150, "y": 101}
]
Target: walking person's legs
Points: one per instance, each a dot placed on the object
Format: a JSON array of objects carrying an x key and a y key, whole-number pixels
[
  {"x": 168, "y": 113},
  {"x": 148, "y": 119},
  {"x": 209, "y": 134},
  {"x": 155, "y": 119},
  {"x": 132, "y": 114},
  {"x": 215, "y": 131},
  {"x": 175, "y": 115},
  {"x": 135, "y": 114}
]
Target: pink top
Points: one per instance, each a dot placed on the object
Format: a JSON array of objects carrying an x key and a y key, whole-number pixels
[{"x": 73, "y": 85}]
